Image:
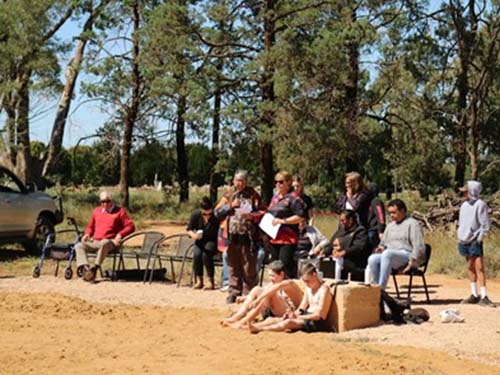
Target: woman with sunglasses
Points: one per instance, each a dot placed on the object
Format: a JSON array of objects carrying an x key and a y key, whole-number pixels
[
  {"x": 288, "y": 210},
  {"x": 203, "y": 228}
]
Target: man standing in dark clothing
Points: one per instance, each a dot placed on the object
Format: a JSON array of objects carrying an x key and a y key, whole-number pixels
[
  {"x": 350, "y": 242},
  {"x": 241, "y": 205},
  {"x": 376, "y": 217}
]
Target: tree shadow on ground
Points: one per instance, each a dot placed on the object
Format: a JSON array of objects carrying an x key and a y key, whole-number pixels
[{"x": 12, "y": 254}]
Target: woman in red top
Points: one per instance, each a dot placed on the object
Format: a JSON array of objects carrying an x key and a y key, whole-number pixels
[{"x": 288, "y": 210}]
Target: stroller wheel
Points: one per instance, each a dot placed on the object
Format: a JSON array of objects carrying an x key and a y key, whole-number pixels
[
  {"x": 80, "y": 271},
  {"x": 68, "y": 273},
  {"x": 36, "y": 272}
]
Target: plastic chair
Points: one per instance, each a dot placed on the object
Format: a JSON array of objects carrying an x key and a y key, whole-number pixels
[{"x": 420, "y": 271}]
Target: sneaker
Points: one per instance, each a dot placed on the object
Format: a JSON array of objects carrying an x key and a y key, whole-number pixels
[
  {"x": 224, "y": 288},
  {"x": 470, "y": 300},
  {"x": 486, "y": 302},
  {"x": 231, "y": 298}
]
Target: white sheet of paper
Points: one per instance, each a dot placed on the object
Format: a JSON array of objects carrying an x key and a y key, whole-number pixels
[
  {"x": 266, "y": 224},
  {"x": 245, "y": 208}
]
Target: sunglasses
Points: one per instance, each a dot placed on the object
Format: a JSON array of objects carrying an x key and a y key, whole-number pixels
[
  {"x": 279, "y": 182},
  {"x": 209, "y": 214},
  {"x": 105, "y": 201}
]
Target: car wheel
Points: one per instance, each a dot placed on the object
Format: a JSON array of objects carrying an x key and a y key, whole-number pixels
[{"x": 42, "y": 230}]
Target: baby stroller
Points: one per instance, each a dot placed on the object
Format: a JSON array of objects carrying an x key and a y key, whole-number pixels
[{"x": 59, "y": 251}]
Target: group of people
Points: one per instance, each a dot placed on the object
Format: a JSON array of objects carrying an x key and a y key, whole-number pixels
[
  {"x": 362, "y": 223},
  {"x": 363, "y": 239}
]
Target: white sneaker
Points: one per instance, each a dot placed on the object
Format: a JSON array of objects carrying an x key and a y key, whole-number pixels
[{"x": 224, "y": 288}]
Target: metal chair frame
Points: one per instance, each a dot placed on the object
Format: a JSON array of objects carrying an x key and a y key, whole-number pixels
[{"x": 420, "y": 271}]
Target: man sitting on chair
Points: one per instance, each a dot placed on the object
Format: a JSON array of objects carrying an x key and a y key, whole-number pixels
[
  {"x": 402, "y": 245},
  {"x": 107, "y": 227}
]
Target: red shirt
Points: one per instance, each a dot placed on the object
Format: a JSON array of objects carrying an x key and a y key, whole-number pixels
[{"x": 106, "y": 225}]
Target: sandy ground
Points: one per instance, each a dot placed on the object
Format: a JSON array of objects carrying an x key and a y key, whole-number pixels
[{"x": 50, "y": 325}]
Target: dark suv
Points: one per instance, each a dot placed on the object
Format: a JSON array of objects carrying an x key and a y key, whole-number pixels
[{"x": 26, "y": 215}]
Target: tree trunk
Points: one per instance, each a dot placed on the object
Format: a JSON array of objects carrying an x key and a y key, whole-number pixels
[
  {"x": 130, "y": 111},
  {"x": 466, "y": 39},
  {"x": 63, "y": 108},
  {"x": 214, "y": 175},
  {"x": 182, "y": 169},
  {"x": 10, "y": 126},
  {"x": 351, "y": 96},
  {"x": 23, "y": 160},
  {"x": 268, "y": 99}
]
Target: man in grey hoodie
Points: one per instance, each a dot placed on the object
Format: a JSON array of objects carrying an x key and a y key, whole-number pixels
[{"x": 473, "y": 224}]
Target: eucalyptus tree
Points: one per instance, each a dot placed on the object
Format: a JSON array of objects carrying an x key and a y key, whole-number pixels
[
  {"x": 93, "y": 11},
  {"x": 114, "y": 59},
  {"x": 28, "y": 52}
]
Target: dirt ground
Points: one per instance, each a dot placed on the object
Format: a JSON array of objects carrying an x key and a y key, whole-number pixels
[{"x": 50, "y": 325}]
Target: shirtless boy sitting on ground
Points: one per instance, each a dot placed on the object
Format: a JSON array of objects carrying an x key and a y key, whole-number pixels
[
  {"x": 276, "y": 299},
  {"x": 312, "y": 313}
]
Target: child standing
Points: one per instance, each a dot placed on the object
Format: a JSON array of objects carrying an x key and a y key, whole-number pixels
[{"x": 473, "y": 224}]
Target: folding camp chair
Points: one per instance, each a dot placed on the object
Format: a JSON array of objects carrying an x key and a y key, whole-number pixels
[
  {"x": 172, "y": 249},
  {"x": 150, "y": 242},
  {"x": 420, "y": 271}
]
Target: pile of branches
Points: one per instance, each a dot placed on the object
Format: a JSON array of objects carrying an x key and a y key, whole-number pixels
[{"x": 444, "y": 214}]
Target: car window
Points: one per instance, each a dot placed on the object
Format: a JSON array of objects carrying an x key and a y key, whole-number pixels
[{"x": 7, "y": 184}]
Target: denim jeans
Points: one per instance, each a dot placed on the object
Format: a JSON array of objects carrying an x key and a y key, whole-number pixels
[
  {"x": 381, "y": 265},
  {"x": 225, "y": 271}
]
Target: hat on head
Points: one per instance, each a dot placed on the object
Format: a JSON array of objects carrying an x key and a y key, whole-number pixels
[{"x": 105, "y": 196}]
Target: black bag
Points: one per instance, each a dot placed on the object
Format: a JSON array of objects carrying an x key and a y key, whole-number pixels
[{"x": 396, "y": 308}]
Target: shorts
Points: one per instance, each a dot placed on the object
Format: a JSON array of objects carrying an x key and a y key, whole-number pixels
[
  {"x": 473, "y": 249},
  {"x": 267, "y": 313},
  {"x": 311, "y": 326}
]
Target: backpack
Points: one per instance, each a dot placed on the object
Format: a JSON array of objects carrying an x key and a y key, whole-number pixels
[{"x": 395, "y": 309}]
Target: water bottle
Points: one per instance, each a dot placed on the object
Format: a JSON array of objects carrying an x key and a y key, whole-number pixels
[
  {"x": 338, "y": 270},
  {"x": 367, "y": 276}
]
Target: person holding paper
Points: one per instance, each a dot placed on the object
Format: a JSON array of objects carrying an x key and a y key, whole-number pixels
[
  {"x": 240, "y": 206},
  {"x": 288, "y": 210}
]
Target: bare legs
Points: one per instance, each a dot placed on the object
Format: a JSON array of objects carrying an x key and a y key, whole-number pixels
[
  {"x": 475, "y": 268},
  {"x": 248, "y": 312},
  {"x": 276, "y": 325}
]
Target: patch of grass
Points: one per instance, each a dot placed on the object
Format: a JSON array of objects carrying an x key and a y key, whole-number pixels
[{"x": 445, "y": 258}]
